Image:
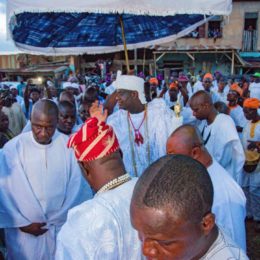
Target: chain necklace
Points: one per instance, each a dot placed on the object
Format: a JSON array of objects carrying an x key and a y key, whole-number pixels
[
  {"x": 132, "y": 141},
  {"x": 114, "y": 183}
]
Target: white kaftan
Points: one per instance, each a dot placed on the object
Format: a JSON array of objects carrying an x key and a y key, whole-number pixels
[
  {"x": 100, "y": 229},
  {"x": 39, "y": 184},
  {"x": 223, "y": 143},
  {"x": 229, "y": 204},
  {"x": 157, "y": 127},
  {"x": 224, "y": 249},
  {"x": 250, "y": 182}
]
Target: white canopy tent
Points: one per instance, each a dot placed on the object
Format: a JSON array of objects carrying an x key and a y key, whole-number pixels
[
  {"x": 150, "y": 7},
  {"x": 135, "y": 7}
]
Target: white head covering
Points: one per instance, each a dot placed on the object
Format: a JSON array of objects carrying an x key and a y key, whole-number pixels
[
  {"x": 132, "y": 83},
  {"x": 50, "y": 84},
  {"x": 75, "y": 85},
  {"x": 13, "y": 87}
]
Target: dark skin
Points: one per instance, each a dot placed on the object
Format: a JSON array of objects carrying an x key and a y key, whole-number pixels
[
  {"x": 44, "y": 123},
  {"x": 186, "y": 140},
  {"x": 129, "y": 100},
  {"x": 67, "y": 96},
  {"x": 101, "y": 171},
  {"x": 183, "y": 89},
  {"x": 4, "y": 122},
  {"x": 167, "y": 236},
  {"x": 252, "y": 115},
  {"x": 84, "y": 111},
  {"x": 207, "y": 83},
  {"x": 66, "y": 120},
  {"x": 203, "y": 108}
]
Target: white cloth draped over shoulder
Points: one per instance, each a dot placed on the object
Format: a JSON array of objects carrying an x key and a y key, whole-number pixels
[
  {"x": 223, "y": 143},
  {"x": 39, "y": 184},
  {"x": 158, "y": 126},
  {"x": 100, "y": 229},
  {"x": 229, "y": 204}
]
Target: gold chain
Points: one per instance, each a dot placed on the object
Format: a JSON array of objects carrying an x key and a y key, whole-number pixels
[{"x": 252, "y": 129}]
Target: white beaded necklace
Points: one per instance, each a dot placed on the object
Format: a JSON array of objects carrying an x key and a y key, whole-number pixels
[{"x": 114, "y": 183}]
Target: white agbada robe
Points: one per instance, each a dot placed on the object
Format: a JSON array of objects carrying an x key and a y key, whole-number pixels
[
  {"x": 156, "y": 129},
  {"x": 229, "y": 204},
  {"x": 39, "y": 184},
  {"x": 238, "y": 116},
  {"x": 100, "y": 229},
  {"x": 223, "y": 143},
  {"x": 254, "y": 89},
  {"x": 224, "y": 248},
  {"x": 250, "y": 182},
  {"x": 223, "y": 95}
]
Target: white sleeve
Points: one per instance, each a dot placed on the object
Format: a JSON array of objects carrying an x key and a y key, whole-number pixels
[{"x": 89, "y": 234}]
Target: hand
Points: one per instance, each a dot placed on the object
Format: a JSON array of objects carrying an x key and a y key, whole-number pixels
[
  {"x": 96, "y": 110},
  {"x": 254, "y": 146},
  {"x": 34, "y": 229}
]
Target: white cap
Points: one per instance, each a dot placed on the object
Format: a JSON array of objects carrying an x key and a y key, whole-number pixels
[
  {"x": 50, "y": 83},
  {"x": 13, "y": 87},
  {"x": 130, "y": 82},
  {"x": 66, "y": 85},
  {"x": 75, "y": 85}
]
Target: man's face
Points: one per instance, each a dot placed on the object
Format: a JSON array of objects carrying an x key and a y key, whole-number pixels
[
  {"x": 250, "y": 113},
  {"x": 200, "y": 109},
  {"x": 66, "y": 120},
  {"x": 232, "y": 96},
  {"x": 4, "y": 122},
  {"x": 53, "y": 91},
  {"x": 14, "y": 91},
  {"x": 173, "y": 93},
  {"x": 124, "y": 98},
  {"x": 207, "y": 84},
  {"x": 221, "y": 85},
  {"x": 164, "y": 236},
  {"x": 35, "y": 96},
  {"x": 84, "y": 111},
  {"x": 43, "y": 127}
]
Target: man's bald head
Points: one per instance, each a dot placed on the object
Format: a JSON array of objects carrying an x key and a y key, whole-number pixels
[
  {"x": 202, "y": 97},
  {"x": 201, "y": 105},
  {"x": 44, "y": 120},
  {"x": 45, "y": 107},
  {"x": 67, "y": 96},
  {"x": 183, "y": 140}
]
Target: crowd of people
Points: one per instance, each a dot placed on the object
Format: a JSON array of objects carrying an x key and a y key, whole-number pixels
[{"x": 129, "y": 168}]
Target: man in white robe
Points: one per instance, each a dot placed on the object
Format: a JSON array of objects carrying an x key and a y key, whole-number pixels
[
  {"x": 229, "y": 202},
  {"x": 100, "y": 228},
  {"x": 250, "y": 178},
  {"x": 236, "y": 111},
  {"x": 142, "y": 129},
  {"x": 219, "y": 134},
  {"x": 171, "y": 209},
  {"x": 40, "y": 182}
]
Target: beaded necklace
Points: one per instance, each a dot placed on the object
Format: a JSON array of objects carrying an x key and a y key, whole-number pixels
[
  {"x": 114, "y": 183},
  {"x": 145, "y": 121}
]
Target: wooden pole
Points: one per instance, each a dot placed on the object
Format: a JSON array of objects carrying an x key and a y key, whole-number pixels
[
  {"x": 233, "y": 63},
  {"x": 125, "y": 47}
]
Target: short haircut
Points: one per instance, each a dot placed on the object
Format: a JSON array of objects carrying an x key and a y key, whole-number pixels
[
  {"x": 222, "y": 107},
  {"x": 203, "y": 96},
  {"x": 46, "y": 107},
  {"x": 66, "y": 105},
  {"x": 176, "y": 182},
  {"x": 35, "y": 89}
]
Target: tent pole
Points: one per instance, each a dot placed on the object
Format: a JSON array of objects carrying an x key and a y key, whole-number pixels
[{"x": 124, "y": 41}]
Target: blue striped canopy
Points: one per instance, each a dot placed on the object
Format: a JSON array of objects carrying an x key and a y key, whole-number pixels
[{"x": 76, "y": 33}]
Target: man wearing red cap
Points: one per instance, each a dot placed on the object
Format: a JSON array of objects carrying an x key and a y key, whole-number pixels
[
  {"x": 100, "y": 228},
  {"x": 250, "y": 178},
  {"x": 236, "y": 111}
]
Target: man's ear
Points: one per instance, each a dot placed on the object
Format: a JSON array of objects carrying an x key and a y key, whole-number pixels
[
  {"x": 208, "y": 223},
  {"x": 195, "y": 152}
]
